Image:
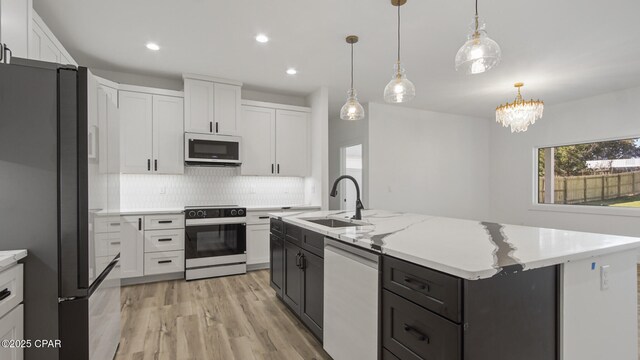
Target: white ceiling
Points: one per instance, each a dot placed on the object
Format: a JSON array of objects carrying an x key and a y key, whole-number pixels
[{"x": 562, "y": 49}]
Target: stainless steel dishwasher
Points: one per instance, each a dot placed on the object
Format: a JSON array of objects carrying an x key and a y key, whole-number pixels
[{"x": 351, "y": 297}]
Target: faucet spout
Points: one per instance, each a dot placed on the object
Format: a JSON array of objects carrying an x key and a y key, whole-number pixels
[{"x": 359, "y": 206}]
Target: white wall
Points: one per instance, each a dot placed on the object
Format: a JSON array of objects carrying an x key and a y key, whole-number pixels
[
  {"x": 316, "y": 192},
  {"x": 249, "y": 93},
  {"x": 428, "y": 162},
  {"x": 613, "y": 115},
  {"x": 347, "y": 133}
]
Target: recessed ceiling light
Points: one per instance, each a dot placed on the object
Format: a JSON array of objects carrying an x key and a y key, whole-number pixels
[
  {"x": 262, "y": 38},
  {"x": 153, "y": 46},
  {"x": 292, "y": 71}
]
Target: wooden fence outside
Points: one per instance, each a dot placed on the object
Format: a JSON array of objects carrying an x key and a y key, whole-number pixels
[{"x": 580, "y": 189}]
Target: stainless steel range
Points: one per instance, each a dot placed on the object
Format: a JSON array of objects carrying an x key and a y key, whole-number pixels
[{"x": 215, "y": 241}]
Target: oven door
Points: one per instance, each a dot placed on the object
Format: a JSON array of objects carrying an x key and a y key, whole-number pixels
[
  {"x": 220, "y": 149},
  {"x": 207, "y": 245}
]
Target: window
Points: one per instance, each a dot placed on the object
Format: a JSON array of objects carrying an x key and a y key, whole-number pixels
[{"x": 605, "y": 173}]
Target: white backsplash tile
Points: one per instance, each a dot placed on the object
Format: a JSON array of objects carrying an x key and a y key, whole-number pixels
[{"x": 208, "y": 186}]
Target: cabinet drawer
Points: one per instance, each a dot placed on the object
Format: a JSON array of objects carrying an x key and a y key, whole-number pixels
[
  {"x": 411, "y": 332},
  {"x": 387, "y": 355},
  {"x": 293, "y": 234},
  {"x": 161, "y": 222},
  {"x": 258, "y": 218},
  {"x": 12, "y": 328},
  {"x": 107, "y": 244},
  {"x": 163, "y": 262},
  {"x": 11, "y": 288},
  {"x": 438, "y": 292},
  {"x": 277, "y": 227},
  {"x": 313, "y": 242},
  {"x": 163, "y": 240},
  {"x": 109, "y": 224}
]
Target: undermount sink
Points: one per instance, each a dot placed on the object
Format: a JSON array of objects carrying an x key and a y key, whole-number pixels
[{"x": 333, "y": 223}]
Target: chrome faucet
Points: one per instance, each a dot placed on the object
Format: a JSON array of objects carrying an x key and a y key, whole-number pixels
[{"x": 359, "y": 206}]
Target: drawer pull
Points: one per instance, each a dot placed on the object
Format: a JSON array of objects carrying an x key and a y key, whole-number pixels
[
  {"x": 263, "y": 217},
  {"x": 418, "y": 335},
  {"x": 165, "y": 261},
  {"x": 165, "y": 221},
  {"x": 115, "y": 243},
  {"x": 5, "y": 294},
  {"x": 115, "y": 224},
  {"x": 415, "y": 284},
  {"x": 166, "y": 239}
]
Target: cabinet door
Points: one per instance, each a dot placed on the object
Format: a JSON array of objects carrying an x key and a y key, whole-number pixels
[
  {"x": 292, "y": 143},
  {"x": 311, "y": 305},
  {"x": 257, "y": 244},
  {"x": 136, "y": 125},
  {"x": 168, "y": 135},
  {"x": 15, "y": 25},
  {"x": 257, "y": 128},
  {"x": 12, "y": 328},
  {"x": 198, "y": 106},
  {"x": 42, "y": 47},
  {"x": 227, "y": 109},
  {"x": 132, "y": 247},
  {"x": 276, "y": 251},
  {"x": 292, "y": 276}
]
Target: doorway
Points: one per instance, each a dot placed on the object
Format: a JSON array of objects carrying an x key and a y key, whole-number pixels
[{"x": 350, "y": 164}]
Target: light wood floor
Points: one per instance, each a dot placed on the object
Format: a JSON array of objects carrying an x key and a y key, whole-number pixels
[{"x": 235, "y": 317}]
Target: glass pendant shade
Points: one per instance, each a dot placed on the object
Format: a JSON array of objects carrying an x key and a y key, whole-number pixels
[
  {"x": 480, "y": 53},
  {"x": 352, "y": 110},
  {"x": 399, "y": 89},
  {"x": 520, "y": 114}
]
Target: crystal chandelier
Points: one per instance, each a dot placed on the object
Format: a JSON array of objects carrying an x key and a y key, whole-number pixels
[
  {"x": 480, "y": 53},
  {"x": 399, "y": 89},
  {"x": 352, "y": 110},
  {"x": 519, "y": 114}
]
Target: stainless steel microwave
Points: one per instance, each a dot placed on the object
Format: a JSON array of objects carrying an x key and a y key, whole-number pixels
[{"x": 212, "y": 150}]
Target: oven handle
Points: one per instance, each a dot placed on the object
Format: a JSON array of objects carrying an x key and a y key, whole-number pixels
[{"x": 193, "y": 223}]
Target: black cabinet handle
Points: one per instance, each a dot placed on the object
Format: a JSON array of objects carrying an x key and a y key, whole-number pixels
[
  {"x": 115, "y": 224},
  {"x": 216, "y": 127},
  {"x": 155, "y": 164},
  {"x": 166, "y": 239},
  {"x": 415, "y": 332},
  {"x": 115, "y": 243},
  {"x": 139, "y": 223},
  {"x": 5, "y": 294},
  {"x": 272, "y": 168},
  {"x": 263, "y": 217},
  {"x": 210, "y": 126},
  {"x": 303, "y": 262},
  {"x": 165, "y": 221},
  {"x": 148, "y": 164},
  {"x": 298, "y": 260},
  {"x": 278, "y": 168},
  {"x": 164, "y": 261},
  {"x": 416, "y": 284}
]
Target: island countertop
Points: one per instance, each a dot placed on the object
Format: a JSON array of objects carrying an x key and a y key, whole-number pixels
[{"x": 464, "y": 248}]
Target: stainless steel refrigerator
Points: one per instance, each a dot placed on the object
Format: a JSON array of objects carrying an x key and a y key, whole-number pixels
[{"x": 59, "y": 199}]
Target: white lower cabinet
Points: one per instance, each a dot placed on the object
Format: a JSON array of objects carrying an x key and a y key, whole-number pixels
[
  {"x": 163, "y": 262},
  {"x": 257, "y": 244},
  {"x": 12, "y": 328},
  {"x": 163, "y": 240},
  {"x": 132, "y": 247}
]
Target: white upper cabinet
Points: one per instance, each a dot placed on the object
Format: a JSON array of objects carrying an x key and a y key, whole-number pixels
[
  {"x": 168, "y": 138},
  {"x": 292, "y": 143},
  {"x": 136, "y": 126},
  {"x": 44, "y": 46},
  {"x": 198, "y": 109},
  {"x": 15, "y": 25},
  {"x": 211, "y": 106},
  {"x": 275, "y": 139},
  {"x": 227, "y": 109},
  {"x": 152, "y": 132},
  {"x": 257, "y": 129}
]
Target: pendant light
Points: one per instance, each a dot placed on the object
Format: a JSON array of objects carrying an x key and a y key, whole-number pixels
[
  {"x": 352, "y": 110},
  {"x": 399, "y": 89},
  {"x": 519, "y": 114},
  {"x": 480, "y": 53}
]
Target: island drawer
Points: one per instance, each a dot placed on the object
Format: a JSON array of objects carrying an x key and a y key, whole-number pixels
[
  {"x": 293, "y": 234},
  {"x": 436, "y": 291},
  {"x": 277, "y": 227},
  {"x": 411, "y": 332},
  {"x": 313, "y": 242},
  {"x": 387, "y": 355}
]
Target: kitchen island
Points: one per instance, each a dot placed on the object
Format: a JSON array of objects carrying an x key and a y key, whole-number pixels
[{"x": 500, "y": 289}]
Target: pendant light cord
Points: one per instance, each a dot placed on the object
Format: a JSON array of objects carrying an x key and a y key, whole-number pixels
[
  {"x": 476, "y": 7},
  {"x": 399, "y": 33},
  {"x": 351, "y": 65},
  {"x": 477, "y": 22}
]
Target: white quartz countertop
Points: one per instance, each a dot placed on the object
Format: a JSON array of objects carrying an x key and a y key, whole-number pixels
[
  {"x": 159, "y": 211},
  {"x": 283, "y": 207},
  {"x": 151, "y": 211},
  {"x": 10, "y": 257},
  {"x": 464, "y": 248}
]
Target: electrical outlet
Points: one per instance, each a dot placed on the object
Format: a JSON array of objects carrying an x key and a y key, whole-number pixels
[{"x": 604, "y": 277}]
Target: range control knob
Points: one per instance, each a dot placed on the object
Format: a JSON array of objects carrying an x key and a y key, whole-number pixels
[
  {"x": 192, "y": 213},
  {"x": 234, "y": 212},
  {"x": 240, "y": 212},
  {"x": 200, "y": 213}
]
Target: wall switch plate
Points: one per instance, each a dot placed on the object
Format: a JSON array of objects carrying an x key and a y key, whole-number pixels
[{"x": 604, "y": 277}]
